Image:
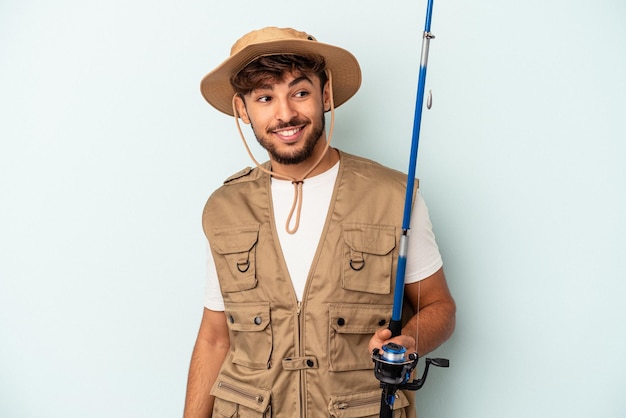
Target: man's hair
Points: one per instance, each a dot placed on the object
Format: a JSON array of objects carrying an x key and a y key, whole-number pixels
[{"x": 273, "y": 68}]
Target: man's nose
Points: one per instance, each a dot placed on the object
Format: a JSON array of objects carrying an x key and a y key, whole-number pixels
[{"x": 285, "y": 110}]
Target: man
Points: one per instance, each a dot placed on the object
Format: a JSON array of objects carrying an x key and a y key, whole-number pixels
[{"x": 304, "y": 249}]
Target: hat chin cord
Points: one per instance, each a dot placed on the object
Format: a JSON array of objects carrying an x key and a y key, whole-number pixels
[{"x": 296, "y": 206}]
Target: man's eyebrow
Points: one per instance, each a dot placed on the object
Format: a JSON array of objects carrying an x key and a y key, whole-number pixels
[
  {"x": 300, "y": 79},
  {"x": 264, "y": 87},
  {"x": 295, "y": 81}
]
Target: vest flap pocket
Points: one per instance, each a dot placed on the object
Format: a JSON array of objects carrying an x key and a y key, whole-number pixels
[
  {"x": 350, "y": 330},
  {"x": 247, "y": 317},
  {"x": 364, "y": 404},
  {"x": 235, "y": 240},
  {"x": 250, "y": 332},
  {"x": 358, "y": 318},
  {"x": 234, "y": 253},
  {"x": 370, "y": 239},
  {"x": 234, "y": 392},
  {"x": 368, "y": 258}
]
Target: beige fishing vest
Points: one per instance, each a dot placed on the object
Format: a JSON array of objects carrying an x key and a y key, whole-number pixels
[{"x": 308, "y": 359}]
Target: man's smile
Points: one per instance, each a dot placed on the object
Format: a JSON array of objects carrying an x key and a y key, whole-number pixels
[{"x": 290, "y": 133}]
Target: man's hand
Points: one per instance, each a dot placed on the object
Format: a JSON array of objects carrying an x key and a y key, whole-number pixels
[
  {"x": 436, "y": 309},
  {"x": 383, "y": 336}
]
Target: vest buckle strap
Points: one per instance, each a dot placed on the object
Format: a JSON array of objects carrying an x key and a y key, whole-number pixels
[
  {"x": 243, "y": 266},
  {"x": 357, "y": 261},
  {"x": 300, "y": 363},
  {"x": 357, "y": 265}
]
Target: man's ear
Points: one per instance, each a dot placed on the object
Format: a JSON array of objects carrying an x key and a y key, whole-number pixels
[
  {"x": 240, "y": 105},
  {"x": 326, "y": 98}
]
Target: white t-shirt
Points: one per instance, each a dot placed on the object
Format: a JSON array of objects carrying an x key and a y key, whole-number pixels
[{"x": 423, "y": 258}]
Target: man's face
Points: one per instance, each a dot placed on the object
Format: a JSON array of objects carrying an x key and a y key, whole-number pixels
[{"x": 287, "y": 117}]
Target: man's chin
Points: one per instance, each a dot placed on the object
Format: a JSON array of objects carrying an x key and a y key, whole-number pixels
[{"x": 290, "y": 160}]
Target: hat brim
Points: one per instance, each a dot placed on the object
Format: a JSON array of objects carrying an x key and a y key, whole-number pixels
[{"x": 346, "y": 73}]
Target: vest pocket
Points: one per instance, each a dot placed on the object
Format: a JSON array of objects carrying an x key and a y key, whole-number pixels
[
  {"x": 368, "y": 258},
  {"x": 364, "y": 405},
  {"x": 234, "y": 399},
  {"x": 236, "y": 249},
  {"x": 351, "y": 328},
  {"x": 250, "y": 333}
]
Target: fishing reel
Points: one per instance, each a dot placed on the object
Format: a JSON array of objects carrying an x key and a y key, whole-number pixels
[{"x": 393, "y": 368}]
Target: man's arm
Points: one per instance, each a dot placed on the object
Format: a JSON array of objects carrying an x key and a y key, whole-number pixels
[
  {"x": 211, "y": 348},
  {"x": 436, "y": 309}
]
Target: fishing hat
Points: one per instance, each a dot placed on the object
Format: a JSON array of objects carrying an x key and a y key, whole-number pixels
[{"x": 345, "y": 70}]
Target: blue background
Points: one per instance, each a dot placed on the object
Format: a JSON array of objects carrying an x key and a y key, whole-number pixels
[{"x": 108, "y": 152}]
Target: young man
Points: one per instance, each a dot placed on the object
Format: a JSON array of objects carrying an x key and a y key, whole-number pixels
[{"x": 304, "y": 249}]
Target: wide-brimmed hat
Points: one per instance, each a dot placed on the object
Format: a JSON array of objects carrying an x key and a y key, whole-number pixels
[{"x": 345, "y": 70}]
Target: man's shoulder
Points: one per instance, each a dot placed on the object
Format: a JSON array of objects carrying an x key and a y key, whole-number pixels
[
  {"x": 235, "y": 184},
  {"x": 358, "y": 162},
  {"x": 246, "y": 174},
  {"x": 241, "y": 174}
]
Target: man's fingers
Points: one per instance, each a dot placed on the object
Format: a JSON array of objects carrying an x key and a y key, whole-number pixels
[{"x": 384, "y": 334}]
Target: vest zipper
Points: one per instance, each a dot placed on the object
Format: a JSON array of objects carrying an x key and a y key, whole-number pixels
[
  {"x": 303, "y": 411},
  {"x": 244, "y": 394}
]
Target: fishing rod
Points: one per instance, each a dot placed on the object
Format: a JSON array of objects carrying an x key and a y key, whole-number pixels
[{"x": 393, "y": 365}]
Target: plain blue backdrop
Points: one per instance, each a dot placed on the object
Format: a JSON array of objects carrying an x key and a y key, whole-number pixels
[{"x": 108, "y": 152}]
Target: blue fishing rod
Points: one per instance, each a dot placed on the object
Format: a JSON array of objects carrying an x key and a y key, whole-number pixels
[{"x": 393, "y": 365}]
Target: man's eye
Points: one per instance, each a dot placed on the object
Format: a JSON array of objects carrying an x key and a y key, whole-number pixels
[
  {"x": 264, "y": 99},
  {"x": 302, "y": 93}
]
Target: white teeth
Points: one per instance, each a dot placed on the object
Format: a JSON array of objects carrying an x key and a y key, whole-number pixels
[{"x": 289, "y": 132}]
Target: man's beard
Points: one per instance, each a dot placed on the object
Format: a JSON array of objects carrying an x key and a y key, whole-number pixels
[{"x": 294, "y": 156}]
